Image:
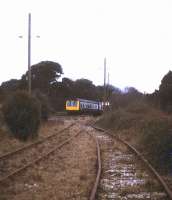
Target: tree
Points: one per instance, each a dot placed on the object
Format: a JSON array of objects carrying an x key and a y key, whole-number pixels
[
  {"x": 153, "y": 98},
  {"x": 123, "y": 99},
  {"x": 11, "y": 85},
  {"x": 165, "y": 92},
  {"x": 85, "y": 89},
  {"x": 44, "y": 75},
  {"x": 110, "y": 89}
]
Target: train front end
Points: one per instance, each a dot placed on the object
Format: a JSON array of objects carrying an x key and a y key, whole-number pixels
[{"x": 72, "y": 106}]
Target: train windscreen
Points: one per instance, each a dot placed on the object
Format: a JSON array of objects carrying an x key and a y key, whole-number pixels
[{"x": 71, "y": 103}]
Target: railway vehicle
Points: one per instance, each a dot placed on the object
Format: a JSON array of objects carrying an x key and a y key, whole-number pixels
[{"x": 84, "y": 106}]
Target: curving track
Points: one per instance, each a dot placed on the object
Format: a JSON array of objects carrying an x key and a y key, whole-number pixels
[{"x": 123, "y": 174}]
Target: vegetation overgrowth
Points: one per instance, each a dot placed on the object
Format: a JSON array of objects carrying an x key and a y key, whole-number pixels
[
  {"x": 44, "y": 105},
  {"x": 22, "y": 114},
  {"x": 144, "y": 119},
  {"x": 45, "y": 78},
  {"x": 147, "y": 128}
]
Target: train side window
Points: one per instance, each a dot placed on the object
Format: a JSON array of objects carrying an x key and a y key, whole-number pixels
[{"x": 82, "y": 105}]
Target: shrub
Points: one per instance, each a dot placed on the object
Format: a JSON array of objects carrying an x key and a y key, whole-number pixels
[
  {"x": 147, "y": 128},
  {"x": 22, "y": 115},
  {"x": 45, "y": 108},
  {"x": 119, "y": 120},
  {"x": 156, "y": 141},
  {"x": 138, "y": 107}
]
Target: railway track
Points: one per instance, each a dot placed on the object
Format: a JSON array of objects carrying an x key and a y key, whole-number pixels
[
  {"x": 16, "y": 161},
  {"x": 123, "y": 173},
  {"x": 23, "y": 172}
]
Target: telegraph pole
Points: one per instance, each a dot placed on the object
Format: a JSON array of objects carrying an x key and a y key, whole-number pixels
[
  {"x": 108, "y": 79},
  {"x": 29, "y": 53},
  {"x": 108, "y": 91},
  {"x": 104, "y": 80}
]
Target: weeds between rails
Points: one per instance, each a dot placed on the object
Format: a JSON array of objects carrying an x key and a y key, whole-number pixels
[
  {"x": 12, "y": 155},
  {"x": 146, "y": 163}
]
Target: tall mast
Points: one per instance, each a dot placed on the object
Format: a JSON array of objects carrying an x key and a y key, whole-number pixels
[
  {"x": 29, "y": 53},
  {"x": 104, "y": 80}
]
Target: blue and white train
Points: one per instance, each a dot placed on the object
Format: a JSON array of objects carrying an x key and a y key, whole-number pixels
[{"x": 84, "y": 106}]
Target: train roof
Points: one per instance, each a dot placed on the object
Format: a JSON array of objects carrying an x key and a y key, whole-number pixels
[{"x": 84, "y": 100}]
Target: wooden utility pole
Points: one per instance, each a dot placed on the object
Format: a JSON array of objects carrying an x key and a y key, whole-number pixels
[
  {"x": 108, "y": 79},
  {"x": 104, "y": 81},
  {"x": 107, "y": 95},
  {"x": 29, "y": 53}
]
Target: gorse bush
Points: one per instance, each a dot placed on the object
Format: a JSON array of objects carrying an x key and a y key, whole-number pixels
[{"x": 22, "y": 115}]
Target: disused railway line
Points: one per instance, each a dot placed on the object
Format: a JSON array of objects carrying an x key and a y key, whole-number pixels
[
  {"x": 28, "y": 155},
  {"x": 8, "y": 154},
  {"x": 99, "y": 191},
  {"x": 29, "y": 180}
]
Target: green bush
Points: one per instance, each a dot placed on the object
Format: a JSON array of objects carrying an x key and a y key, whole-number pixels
[
  {"x": 22, "y": 115},
  {"x": 156, "y": 141}
]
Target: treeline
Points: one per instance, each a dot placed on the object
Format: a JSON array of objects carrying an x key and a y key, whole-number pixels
[
  {"x": 162, "y": 98},
  {"x": 50, "y": 94},
  {"x": 45, "y": 79}
]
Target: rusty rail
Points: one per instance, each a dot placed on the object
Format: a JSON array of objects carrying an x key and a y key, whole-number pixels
[
  {"x": 38, "y": 159},
  {"x": 94, "y": 190},
  {"x": 156, "y": 174},
  {"x": 6, "y": 155}
]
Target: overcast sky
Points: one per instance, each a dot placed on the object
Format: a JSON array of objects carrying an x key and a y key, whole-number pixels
[{"x": 134, "y": 35}]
